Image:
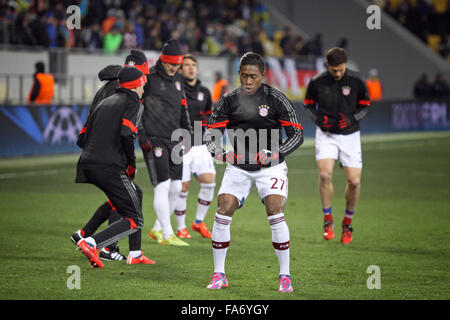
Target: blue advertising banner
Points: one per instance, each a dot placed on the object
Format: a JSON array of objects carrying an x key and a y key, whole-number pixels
[
  {"x": 39, "y": 130},
  {"x": 403, "y": 116},
  {"x": 397, "y": 116},
  {"x": 35, "y": 130}
]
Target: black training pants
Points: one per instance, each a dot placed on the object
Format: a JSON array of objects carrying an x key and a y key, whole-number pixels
[{"x": 126, "y": 197}]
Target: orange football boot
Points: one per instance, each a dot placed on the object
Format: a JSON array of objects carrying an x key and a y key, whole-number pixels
[{"x": 201, "y": 227}]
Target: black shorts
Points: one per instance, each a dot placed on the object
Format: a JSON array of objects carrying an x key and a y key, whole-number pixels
[{"x": 160, "y": 163}]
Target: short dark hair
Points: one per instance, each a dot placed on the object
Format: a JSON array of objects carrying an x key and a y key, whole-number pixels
[
  {"x": 336, "y": 56},
  {"x": 191, "y": 56},
  {"x": 251, "y": 58},
  {"x": 40, "y": 66}
]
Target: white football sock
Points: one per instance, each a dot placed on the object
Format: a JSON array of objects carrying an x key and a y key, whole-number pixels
[
  {"x": 174, "y": 192},
  {"x": 205, "y": 196},
  {"x": 91, "y": 241},
  {"x": 135, "y": 253},
  {"x": 280, "y": 240},
  {"x": 161, "y": 207},
  {"x": 220, "y": 241},
  {"x": 180, "y": 210}
]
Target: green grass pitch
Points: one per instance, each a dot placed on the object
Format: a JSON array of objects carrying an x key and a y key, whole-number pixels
[{"x": 401, "y": 225}]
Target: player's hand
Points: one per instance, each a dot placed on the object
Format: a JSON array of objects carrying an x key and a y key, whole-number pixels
[
  {"x": 228, "y": 157},
  {"x": 325, "y": 122},
  {"x": 213, "y": 148},
  {"x": 131, "y": 171},
  {"x": 145, "y": 144},
  {"x": 344, "y": 121},
  {"x": 265, "y": 157}
]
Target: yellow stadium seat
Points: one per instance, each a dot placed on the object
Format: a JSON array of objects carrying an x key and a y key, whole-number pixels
[{"x": 433, "y": 41}]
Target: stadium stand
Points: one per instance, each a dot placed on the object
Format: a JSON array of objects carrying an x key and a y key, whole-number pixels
[
  {"x": 383, "y": 49},
  {"x": 429, "y": 20},
  {"x": 216, "y": 28}
]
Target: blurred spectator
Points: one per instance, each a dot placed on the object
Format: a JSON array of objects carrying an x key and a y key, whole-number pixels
[
  {"x": 25, "y": 33},
  {"x": 318, "y": 45},
  {"x": 440, "y": 88},
  {"x": 166, "y": 25},
  {"x": 298, "y": 45},
  {"x": 221, "y": 86},
  {"x": 444, "y": 48},
  {"x": 256, "y": 44},
  {"x": 139, "y": 27},
  {"x": 269, "y": 46},
  {"x": 244, "y": 45},
  {"x": 374, "y": 86},
  {"x": 313, "y": 46},
  {"x": 343, "y": 43},
  {"x": 287, "y": 42},
  {"x": 130, "y": 37},
  {"x": 229, "y": 46},
  {"x": 38, "y": 25},
  {"x": 109, "y": 22},
  {"x": 112, "y": 40},
  {"x": 422, "y": 88},
  {"x": 52, "y": 31},
  {"x": 92, "y": 37},
  {"x": 43, "y": 83}
]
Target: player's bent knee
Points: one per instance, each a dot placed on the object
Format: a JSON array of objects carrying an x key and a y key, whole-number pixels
[
  {"x": 226, "y": 210},
  {"x": 227, "y": 205},
  {"x": 274, "y": 204}
]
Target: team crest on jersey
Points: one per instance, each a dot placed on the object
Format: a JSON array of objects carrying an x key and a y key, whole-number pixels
[
  {"x": 346, "y": 90},
  {"x": 200, "y": 96},
  {"x": 158, "y": 152},
  {"x": 178, "y": 85},
  {"x": 263, "y": 110}
]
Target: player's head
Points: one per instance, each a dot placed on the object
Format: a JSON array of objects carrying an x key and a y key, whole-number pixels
[
  {"x": 39, "y": 67},
  {"x": 189, "y": 68},
  {"x": 171, "y": 57},
  {"x": 252, "y": 70},
  {"x": 132, "y": 79},
  {"x": 138, "y": 60},
  {"x": 336, "y": 61}
]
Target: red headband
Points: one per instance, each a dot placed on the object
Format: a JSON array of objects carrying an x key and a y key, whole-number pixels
[
  {"x": 134, "y": 83},
  {"x": 143, "y": 67},
  {"x": 172, "y": 59}
]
